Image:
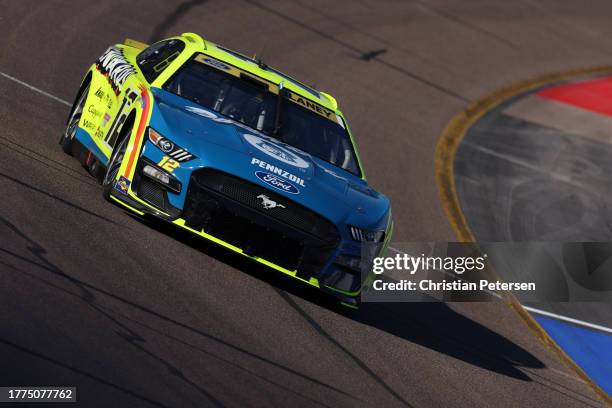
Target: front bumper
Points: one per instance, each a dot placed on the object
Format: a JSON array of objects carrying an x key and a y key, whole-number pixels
[{"x": 257, "y": 235}]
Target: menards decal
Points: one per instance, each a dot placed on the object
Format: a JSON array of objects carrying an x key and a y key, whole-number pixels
[{"x": 115, "y": 67}]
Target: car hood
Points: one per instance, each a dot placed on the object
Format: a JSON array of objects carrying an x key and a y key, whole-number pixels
[{"x": 227, "y": 145}]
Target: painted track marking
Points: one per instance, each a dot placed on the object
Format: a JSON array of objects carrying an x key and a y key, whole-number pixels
[
  {"x": 518, "y": 162},
  {"x": 35, "y": 89},
  {"x": 569, "y": 319}
]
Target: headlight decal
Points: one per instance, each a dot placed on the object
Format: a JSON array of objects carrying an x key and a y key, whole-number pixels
[
  {"x": 362, "y": 235},
  {"x": 170, "y": 148}
]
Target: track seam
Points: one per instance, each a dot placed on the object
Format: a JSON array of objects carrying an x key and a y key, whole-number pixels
[{"x": 446, "y": 149}]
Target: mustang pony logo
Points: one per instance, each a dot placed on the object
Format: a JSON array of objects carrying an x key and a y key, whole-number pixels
[{"x": 268, "y": 203}]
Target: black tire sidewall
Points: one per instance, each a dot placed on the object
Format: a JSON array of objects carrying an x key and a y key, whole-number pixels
[
  {"x": 65, "y": 141},
  {"x": 108, "y": 187}
]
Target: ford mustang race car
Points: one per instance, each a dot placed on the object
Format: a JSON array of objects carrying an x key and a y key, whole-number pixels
[{"x": 233, "y": 151}]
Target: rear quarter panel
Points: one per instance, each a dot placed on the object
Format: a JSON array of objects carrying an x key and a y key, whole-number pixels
[{"x": 113, "y": 92}]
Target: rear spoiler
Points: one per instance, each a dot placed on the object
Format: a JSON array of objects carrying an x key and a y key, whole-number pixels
[
  {"x": 135, "y": 44},
  {"x": 331, "y": 99},
  {"x": 191, "y": 37}
]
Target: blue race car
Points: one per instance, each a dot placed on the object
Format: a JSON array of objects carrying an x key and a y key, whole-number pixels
[{"x": 234, "y": 151}]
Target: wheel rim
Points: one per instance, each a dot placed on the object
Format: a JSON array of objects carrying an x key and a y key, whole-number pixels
[
  {"x": 76, "y": 116},
  {"x": 115, "y": 163}
]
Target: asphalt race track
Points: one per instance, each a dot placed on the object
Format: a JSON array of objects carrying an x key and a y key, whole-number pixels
[{"x": 136, "y": 314}]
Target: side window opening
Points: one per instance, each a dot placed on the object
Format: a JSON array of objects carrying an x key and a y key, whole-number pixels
[{"x": 154, "y": 59}]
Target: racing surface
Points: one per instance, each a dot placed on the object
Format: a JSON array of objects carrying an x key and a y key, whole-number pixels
[{"x": 138, "y": 314}]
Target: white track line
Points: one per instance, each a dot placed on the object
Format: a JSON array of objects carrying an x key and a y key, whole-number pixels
[
  {"x": 569, "y": 319},
  {"x": 518, "y": 162},
  {"x": 531, "y": 309},
  {"x": 35, "y": 89}
]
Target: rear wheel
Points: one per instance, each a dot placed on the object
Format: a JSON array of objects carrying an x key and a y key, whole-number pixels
[
  {"x": 73, "y": 123},
  {"x": 112, "y": 170}
]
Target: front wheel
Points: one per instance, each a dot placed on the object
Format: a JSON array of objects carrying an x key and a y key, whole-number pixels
[
  {"x": 73, "y": 123},
  {"x": 112, "y": 170}
]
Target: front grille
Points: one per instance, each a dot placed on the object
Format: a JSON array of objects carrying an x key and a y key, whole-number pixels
[
  {"x": 228, "y": 208},
  {"x": 255, "y": 240},
  {"x": 152, "y": 193},
  {"x": 247, "y": 193}
]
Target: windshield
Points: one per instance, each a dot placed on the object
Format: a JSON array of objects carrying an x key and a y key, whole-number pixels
[{"x": 249, "y": 101}]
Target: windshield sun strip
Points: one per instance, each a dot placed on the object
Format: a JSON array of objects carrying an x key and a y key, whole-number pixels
[
  {"x": 234, "y": 71},
  {"x": 272, "y": 87},
  {"x": 294, "y": 81}
]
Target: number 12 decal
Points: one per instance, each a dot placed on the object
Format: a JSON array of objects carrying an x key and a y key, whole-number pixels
[{"x": 168, "y": 164}]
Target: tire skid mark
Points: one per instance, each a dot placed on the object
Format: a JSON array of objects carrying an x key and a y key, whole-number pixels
[
  {"x": 171, "y": 19},
  {"x": 59, "y": 199},
  {"x": 88, "y": 291},
  {"x": 46, "y": 161},
  {"x": 346, "y": 351},
  {"x": 360, "y": 53}
]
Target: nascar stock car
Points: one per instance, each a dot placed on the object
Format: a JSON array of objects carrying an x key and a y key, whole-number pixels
[{"x": 231, "y": 150}]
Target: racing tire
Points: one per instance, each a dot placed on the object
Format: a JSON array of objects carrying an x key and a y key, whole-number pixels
[
  {"x": 73, "y": 123},
  {"x": 112, "y": 169}
]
